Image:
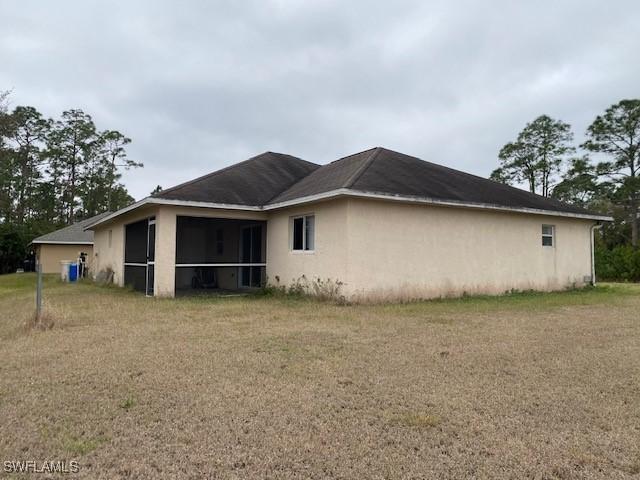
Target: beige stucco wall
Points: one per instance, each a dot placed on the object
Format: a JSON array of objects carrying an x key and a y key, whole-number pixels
[
  {"x": 391, "y": 250},
  {"x": 50, "y": 255},
  {"x": 327, "y": 261},
  {"x": 111, "y": 256},
  {"x": 406, "y": 251}
]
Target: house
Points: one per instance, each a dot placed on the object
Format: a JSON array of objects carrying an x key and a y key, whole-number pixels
[
  {"x": 65, "y": 244},
  {"x": 380, "y": 223}
]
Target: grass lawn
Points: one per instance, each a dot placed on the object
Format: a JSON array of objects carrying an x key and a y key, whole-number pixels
[{"x": 523, "y": 386}]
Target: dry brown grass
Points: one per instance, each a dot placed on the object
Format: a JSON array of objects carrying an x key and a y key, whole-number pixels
[{"x": 528, "y": 386}]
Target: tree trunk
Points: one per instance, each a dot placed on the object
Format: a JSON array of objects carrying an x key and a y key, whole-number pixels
[
  {"x": 634, "y": 203},
  {"x": 634, "y": 223},
  {"x": 532, "y": 183},
  {"x": 72, "y": 193},
  {"x": 24, "y": 175},
  {"x": 72, "y": 178},
  {"x": 111, "y": 181}
]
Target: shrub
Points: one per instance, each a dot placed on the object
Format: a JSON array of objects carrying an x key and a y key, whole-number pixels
[
  {"x": 618, "y": 263},
  {"x": 321, "y": 289},
  {"x": 327, "y": 289}
]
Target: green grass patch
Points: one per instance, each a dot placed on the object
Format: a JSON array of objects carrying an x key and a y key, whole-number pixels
[
  {"x": 128, "y": 403},
  {"x": 416, "y": 420},
  {"x": 81, "y": 446},
  {"x": 530, "y": 300},
  {"x": 24, "y": 282}
]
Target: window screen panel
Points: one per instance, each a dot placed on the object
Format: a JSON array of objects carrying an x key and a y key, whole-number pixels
[
  {"x": 152, "y": 242},
  {"x": 220, "y": 241},
  {"x": 135, "y": 249},
  {"x": 245, "y": 276},
  {"x": 256, "y": 276},
  {"x": 310, "y": 222},
  {"x": 246, "y": 245},
  {"x": 150, "y": 279},
  {"x": 256, "y": 244},
  {"x": 207, "y": 240},
  {"x": 135, "y": 277}
]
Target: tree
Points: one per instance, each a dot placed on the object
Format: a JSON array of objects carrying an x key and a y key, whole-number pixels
[
  {"x": 113, "y": 147},
  {"x": 26, "y": 131},
  {"x": 536, "y": 156},
  {"x": 53, "y": 173},
  {"x": 4, "y": 101},
  {"x": 5, "y": 170},
  {"x": 579, "y": 185},
  {"x": 120, "y": 197},
  {"x": 517, "y": 165},
  {"x": 70, "y": 147},
  {"x": 22, "y": 134},
  {"x": 100, "y": 190},
  {"x": 12, "y": 247},
  {"x": 616, "y": 133}
]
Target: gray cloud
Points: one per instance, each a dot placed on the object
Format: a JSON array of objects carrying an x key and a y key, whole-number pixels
[{"x": 200, "y": 85}]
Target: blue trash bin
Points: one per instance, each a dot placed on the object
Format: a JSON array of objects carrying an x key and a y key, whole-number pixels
[{"x": 73, "y": 272}]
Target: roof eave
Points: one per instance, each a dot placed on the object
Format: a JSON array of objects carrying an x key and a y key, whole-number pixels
[
  {"x": 59, "y": 242},
  {"x": 341, "y": 192},
  {"x": 175, "y": 202}
]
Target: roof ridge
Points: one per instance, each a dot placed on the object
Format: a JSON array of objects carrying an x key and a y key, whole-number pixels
[
  {"x": 295, "y": 181},
  {"x": 290, "y": 156},
  {"x": 495, "y": 182},
  {"x": 206, "y": 175},
  {"x": 224, "y": 169},
  {"x": 349, "y": 156},
  {"x": 366, "y": 164},
  {"x": 479, "y": 177}
]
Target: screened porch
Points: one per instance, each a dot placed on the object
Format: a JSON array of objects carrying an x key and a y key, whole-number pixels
[{"x": 219, "y": 255}]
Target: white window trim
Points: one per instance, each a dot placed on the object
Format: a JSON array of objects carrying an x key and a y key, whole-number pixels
[
  {"x": 304, "y": 234},
  {"x": 552, "y": 235}
]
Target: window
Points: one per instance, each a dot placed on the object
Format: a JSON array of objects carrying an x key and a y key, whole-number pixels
[
  {"x": 303, "y": 237},
  {"x": 110, "y": 237},
  {"x": 548, "y": 232}
]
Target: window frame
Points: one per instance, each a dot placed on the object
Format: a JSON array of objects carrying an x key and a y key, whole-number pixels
[
  {"x": 551, "y": 235},
  {"x": 305, "y": 242}
]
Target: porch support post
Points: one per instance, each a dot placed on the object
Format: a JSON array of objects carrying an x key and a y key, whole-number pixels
[{"x": 165, "y": 269}]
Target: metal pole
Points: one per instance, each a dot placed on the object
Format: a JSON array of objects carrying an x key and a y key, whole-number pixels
[
  {"x": 39, "y": 291},
  {"x": 593, "y": 253}
]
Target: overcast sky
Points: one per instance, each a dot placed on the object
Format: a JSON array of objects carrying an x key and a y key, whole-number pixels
[{"x": 200, "y": 85}]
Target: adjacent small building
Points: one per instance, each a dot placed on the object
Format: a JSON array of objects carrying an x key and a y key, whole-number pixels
[
  {"x": 65, "y": 244},
  {"x": 379, "y": 224}
]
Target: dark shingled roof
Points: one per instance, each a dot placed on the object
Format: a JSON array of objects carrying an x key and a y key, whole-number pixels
[
  {"x": 252, "y": 182},
  {"x": 339, "y": 174},
  {"x": 271, "y": 179},
  {"x": 386, "y": 172},
  {"x": 73, "y": 233}
]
